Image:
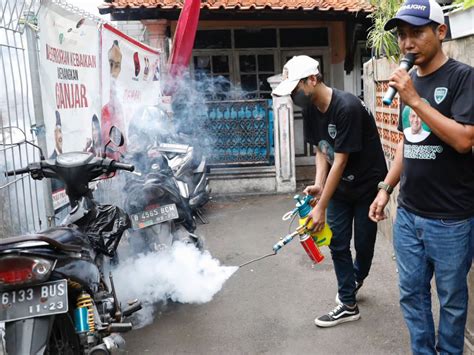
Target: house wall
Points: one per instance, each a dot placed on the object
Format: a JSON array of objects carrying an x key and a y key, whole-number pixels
[
  {"x": 134, "y": 29},
  {"x": 333, "y": 57},
  {"x": 338, "y": 53},
  {"x": 336, "y": 49},
  {"x": 153, "y": 32},
  {"x": 376, "y": 73},
  {"x": 462, "y": 49}
]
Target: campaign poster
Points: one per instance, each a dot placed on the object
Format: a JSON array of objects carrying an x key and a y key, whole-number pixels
[
  {"x": 70, "y": 85},
  {"x": 130, "y": 81}
]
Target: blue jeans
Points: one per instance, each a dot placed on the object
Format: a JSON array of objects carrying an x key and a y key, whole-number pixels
[
  {"x": 425, "y": 247},
  {"x": 472, "y": 239},
  {"x": 341, "y": 215}
]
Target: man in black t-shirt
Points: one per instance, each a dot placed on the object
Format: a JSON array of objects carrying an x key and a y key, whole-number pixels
[
  {"x": 349, "y": 163},
  {"x": 435, "y": 168}
]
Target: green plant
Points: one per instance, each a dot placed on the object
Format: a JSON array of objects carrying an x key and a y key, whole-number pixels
[
  {"x": 466, "y": 4},
  {"x": 384, "y": 43}
]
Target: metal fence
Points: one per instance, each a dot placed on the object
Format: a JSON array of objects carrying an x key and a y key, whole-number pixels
[
  {"x": 21, "y": 205},
  {"x": 240, "y": 132}
]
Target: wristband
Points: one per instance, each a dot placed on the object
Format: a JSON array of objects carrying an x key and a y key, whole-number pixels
[{"x": 383, "y": 186}]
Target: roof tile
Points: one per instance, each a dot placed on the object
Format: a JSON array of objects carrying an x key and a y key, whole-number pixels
[{"x": 321, "y": 5}]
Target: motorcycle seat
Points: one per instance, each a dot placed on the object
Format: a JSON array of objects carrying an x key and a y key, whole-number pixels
[
  {"x": 66, "y": 235},
  {"x": 61, "y": 238}
]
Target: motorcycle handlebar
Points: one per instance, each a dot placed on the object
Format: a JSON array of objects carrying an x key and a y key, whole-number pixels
[
  {"x": 17, "y": 172},
  {"x": 122, "y": 166}
]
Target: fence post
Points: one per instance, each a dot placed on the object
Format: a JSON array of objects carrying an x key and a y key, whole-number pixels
[
  {"x": 32, "y": 45},
  {"x": 283, "y": 122}
]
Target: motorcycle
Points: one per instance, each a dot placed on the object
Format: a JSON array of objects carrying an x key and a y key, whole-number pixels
[
  {"x": 54, "y": 296},
  {"x": 159, "y": 213},
  {"x": 183, "y": 149},
  {"x": 190, "y": 171}
]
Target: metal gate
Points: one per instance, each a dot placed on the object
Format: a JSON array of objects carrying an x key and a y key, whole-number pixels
[
  {"x": 21, "y": 198},
  {"x": 240, "y": 132}
]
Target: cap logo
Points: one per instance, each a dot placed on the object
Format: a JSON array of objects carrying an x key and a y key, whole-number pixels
[
  {"x": 412, "y": 7},
  {"x": 284, "y": 74}
]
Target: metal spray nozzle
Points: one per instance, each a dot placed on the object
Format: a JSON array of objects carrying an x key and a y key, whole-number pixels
[{"x": 288, "y": 239}]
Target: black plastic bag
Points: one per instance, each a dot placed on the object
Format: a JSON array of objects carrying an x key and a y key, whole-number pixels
[{"x": 106, "y": 230}]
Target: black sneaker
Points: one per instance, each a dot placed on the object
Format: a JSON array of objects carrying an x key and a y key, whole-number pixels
[
  {"x": 358, "y": 286},
  {"x": 340, "y": 314}
]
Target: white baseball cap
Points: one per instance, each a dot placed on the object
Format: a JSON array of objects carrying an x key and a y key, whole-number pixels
[{"x": 297, "y": 68}]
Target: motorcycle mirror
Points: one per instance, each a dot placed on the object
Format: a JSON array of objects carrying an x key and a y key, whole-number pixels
[
  {"x": 12, "y": 136},
  {"x": 16, "y": 136},
  {"x": 116, "y": 136}
]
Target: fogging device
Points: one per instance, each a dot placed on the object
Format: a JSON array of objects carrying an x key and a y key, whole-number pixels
[{"x": 309, "y": 240}]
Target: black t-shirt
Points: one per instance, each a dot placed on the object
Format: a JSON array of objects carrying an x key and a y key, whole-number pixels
[
  {"x": 437, "y": 181},
  {"x": 348, "y": 127}
]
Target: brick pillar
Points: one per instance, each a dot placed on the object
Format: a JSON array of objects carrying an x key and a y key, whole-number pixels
[
  {"x": 376, "y": 74},
  {"x": 156, "y": 37}
]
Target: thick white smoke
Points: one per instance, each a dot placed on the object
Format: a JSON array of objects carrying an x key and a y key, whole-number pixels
[{"x": 181, "y": 274}]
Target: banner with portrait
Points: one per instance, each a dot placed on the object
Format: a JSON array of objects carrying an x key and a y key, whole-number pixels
[
  {"x": 130, "y": 80},
  {"x": 70, "y": 84}
]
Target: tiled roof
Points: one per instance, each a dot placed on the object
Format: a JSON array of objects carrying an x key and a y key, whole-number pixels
[{"x": 321, "y": 5}]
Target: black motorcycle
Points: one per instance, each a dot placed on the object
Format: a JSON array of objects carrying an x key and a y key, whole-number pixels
[
  {"x": 159, "y": 213},
  {"x": 54, "y": 296},
  {"x": 190, "y": 171},
  {"x": 184, "y": 152}
]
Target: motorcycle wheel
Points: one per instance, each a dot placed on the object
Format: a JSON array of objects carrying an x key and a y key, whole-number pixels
[{"x": 63, "y": 339}]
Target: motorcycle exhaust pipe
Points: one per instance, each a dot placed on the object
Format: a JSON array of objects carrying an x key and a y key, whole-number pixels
[
  {"x": 132, "y": 308},
  {"x": 119, "y": 327},
  {"x": 113, "y": 344}
]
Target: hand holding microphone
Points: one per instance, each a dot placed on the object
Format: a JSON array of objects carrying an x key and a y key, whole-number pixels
[{"x": 406, "y": 63}]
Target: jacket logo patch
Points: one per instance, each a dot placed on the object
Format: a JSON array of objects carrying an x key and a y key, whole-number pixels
[
  {"x": 440, "y": 94},
  {"x": 332, "y": 131}
]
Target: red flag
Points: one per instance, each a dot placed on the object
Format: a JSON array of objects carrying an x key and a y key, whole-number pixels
[{"x": 184, "y": 36}]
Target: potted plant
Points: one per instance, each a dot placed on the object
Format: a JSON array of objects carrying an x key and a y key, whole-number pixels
[{"x": 461, "y": 18}]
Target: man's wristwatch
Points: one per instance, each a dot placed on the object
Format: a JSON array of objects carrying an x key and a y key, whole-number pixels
[{"x": 386, "y": 187}]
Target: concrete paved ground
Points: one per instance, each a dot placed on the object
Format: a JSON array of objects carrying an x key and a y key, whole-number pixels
[{"x": 270, "y": 306}]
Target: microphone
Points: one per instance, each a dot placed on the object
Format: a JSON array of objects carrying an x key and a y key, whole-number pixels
[{"x": 406, "y": 63}]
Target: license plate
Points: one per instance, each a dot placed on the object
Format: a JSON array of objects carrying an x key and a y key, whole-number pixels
[
  {"x": 154, "y": 216},
  {"x": 35, "y": 301}
]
